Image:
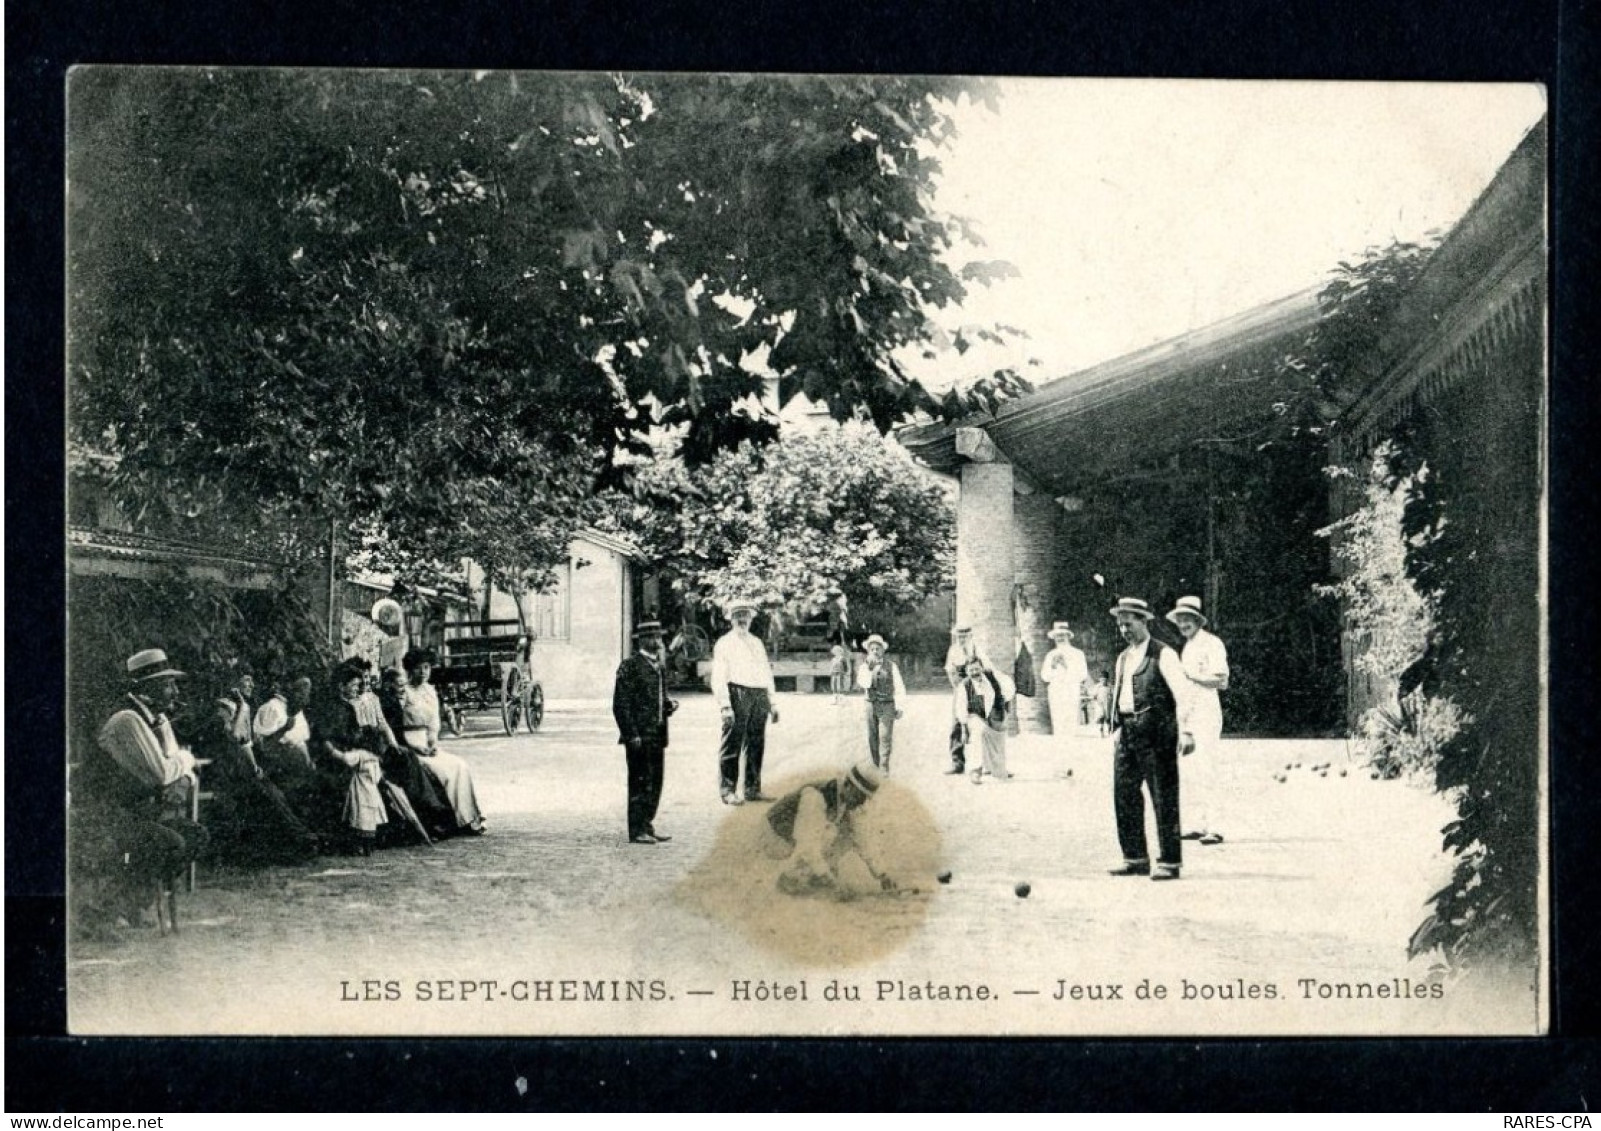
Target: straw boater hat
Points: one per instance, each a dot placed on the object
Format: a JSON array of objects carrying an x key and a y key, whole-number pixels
[
  {"x": 387, "y": 612},
  {"x": 874, "y": 639},
  {"x": 1190, "y": 605},
  {"x": 150, "y": 664},
  {"x": 648, "y": 627},
  {"x": 866, "y": 777},
  {"x": 1132, "y": 605},
  {"x": 733, "y": 606},
  {"x": 1060, "y": 629}
]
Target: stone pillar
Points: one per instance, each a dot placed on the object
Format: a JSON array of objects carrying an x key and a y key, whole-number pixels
[
  {"x": 984, "y": 557},
  {"x": 1036, "y": 518}
]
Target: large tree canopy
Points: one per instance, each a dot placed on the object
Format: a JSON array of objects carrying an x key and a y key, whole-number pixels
[
  {"x": 836, "y": 511},
  {"x": 437, "y": 306}
]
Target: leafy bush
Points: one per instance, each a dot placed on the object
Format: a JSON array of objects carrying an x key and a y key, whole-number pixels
[{"x": 1390, "y": 619}]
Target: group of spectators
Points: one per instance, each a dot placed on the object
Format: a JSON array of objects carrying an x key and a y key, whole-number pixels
[{"x": 343, "y": 769}]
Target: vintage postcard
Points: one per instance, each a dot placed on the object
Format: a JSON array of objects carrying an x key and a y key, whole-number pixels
[{"x": 637, "y": 554}]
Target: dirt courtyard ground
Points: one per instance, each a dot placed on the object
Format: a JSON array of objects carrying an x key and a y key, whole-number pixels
[{"x": 553, "y": 924}]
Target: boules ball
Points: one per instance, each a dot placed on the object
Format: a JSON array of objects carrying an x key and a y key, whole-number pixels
[
  {"x": 1342, "y": 773},
  {"x": 1022, "y": 889},
  {"x": 943, "y": 877}
]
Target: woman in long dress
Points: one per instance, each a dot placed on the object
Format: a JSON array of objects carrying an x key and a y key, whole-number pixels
[
  {"x": 348, "y": 743},
  {"x": 419, "y": 731}
]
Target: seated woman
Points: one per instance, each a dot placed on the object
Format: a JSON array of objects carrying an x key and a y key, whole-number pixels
[
  {"x": 255, "y": 822},
  {"x": 401, "y": 765},
  {"x": 416, "y": 718},
  {"x": 348, "y": 742}
]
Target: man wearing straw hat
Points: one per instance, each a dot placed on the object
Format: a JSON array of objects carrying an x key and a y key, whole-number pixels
[
  {"x": 812, "y": 829},
  {"x": 1206, "y": 665},
  {"x": 641, "y": 707},
  {"x": 886, "y": 698},
  {"x": 1065, "y": 672},
  {"x": 140, "y": 771},
  {"x": 742, "y": 684},
  {"x": 1150, "y": 708}
]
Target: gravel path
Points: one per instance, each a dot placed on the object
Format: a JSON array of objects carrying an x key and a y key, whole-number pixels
[{"x": 1318, "y": 886}]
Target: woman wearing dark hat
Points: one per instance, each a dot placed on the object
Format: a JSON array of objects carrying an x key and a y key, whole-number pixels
[
  {"x": 419, "y": 720},
  {"x": 349, "y": 735}
]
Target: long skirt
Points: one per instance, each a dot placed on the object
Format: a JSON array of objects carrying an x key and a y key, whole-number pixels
[
  {"x": 364, "y": 804},
  {"x": 455, "y": 780}
]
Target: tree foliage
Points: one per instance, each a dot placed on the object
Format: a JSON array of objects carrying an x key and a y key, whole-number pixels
[
  {"x": 839, "y": 511},
  {"x": 1326, "y": 373},
  {"x": 1392, "y": 620},
  {"x": 438, "y": 305}
]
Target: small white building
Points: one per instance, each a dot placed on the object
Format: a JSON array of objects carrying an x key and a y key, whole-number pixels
[{"x": 583, "y": 623}]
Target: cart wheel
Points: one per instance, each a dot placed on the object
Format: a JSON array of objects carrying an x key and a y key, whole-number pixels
[
  {"x": 511, "y": 700},
  {"x": 453, "y": 720},
  {"x": 535, "y": 713}
]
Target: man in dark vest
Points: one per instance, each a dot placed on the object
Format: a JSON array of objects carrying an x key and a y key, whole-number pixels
[
  {"x": 886, "y": 699},
  {"x": 1150, "y": 718},
  {"x": 812, "y": 830},
  {"x": 641, "y": 707},
  {"x": 980, "y": 703}
]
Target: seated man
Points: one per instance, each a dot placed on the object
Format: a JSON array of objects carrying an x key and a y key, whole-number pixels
[
  {"x": 812, "y": 829},
  {"x": 979, "y": 704},
  {"x": 128, "y": 791}
]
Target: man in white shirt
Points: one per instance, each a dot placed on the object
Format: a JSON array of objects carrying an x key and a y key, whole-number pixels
[
  {"x": 742, "y": 684},
  {"x": 963, "y": 651},
  {"x": 1151, "y": 709},
  {"x": 1206, "y": 665},
  {"x": 124, "y": 792},
  {"x": 886, "y": 700},
  {"x": 979, "y": 704}
]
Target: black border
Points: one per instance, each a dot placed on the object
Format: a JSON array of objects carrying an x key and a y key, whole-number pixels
[{"x": 1552, "y": 41}]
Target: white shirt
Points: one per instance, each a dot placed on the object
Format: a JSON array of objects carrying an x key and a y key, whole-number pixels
[
  {"x": 1172, "y": 669},
  {"x": 1066, "y": 663},
  {"x": 1205, "y": 658},
  {"x": 142, "y": 742},
  {"x": 959, "y": 655},
  {"x": 419, "y": 705},
  {"x": 741, "y": 660},
  {"x": 986, "y": 694}
]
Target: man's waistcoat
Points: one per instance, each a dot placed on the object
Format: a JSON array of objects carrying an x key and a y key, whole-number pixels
[
  {"x": 883, "y": 689},
  {"x": 1151, "y": 692}
]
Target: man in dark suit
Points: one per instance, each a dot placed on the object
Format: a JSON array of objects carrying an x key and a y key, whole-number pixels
[{"x": 641, "y": 707}]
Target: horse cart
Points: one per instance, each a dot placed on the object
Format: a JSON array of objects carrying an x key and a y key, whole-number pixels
[{"x": 488, "y": 665}]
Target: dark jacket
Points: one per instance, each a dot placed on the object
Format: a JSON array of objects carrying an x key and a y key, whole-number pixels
[{"x": 639, "y": 701}]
